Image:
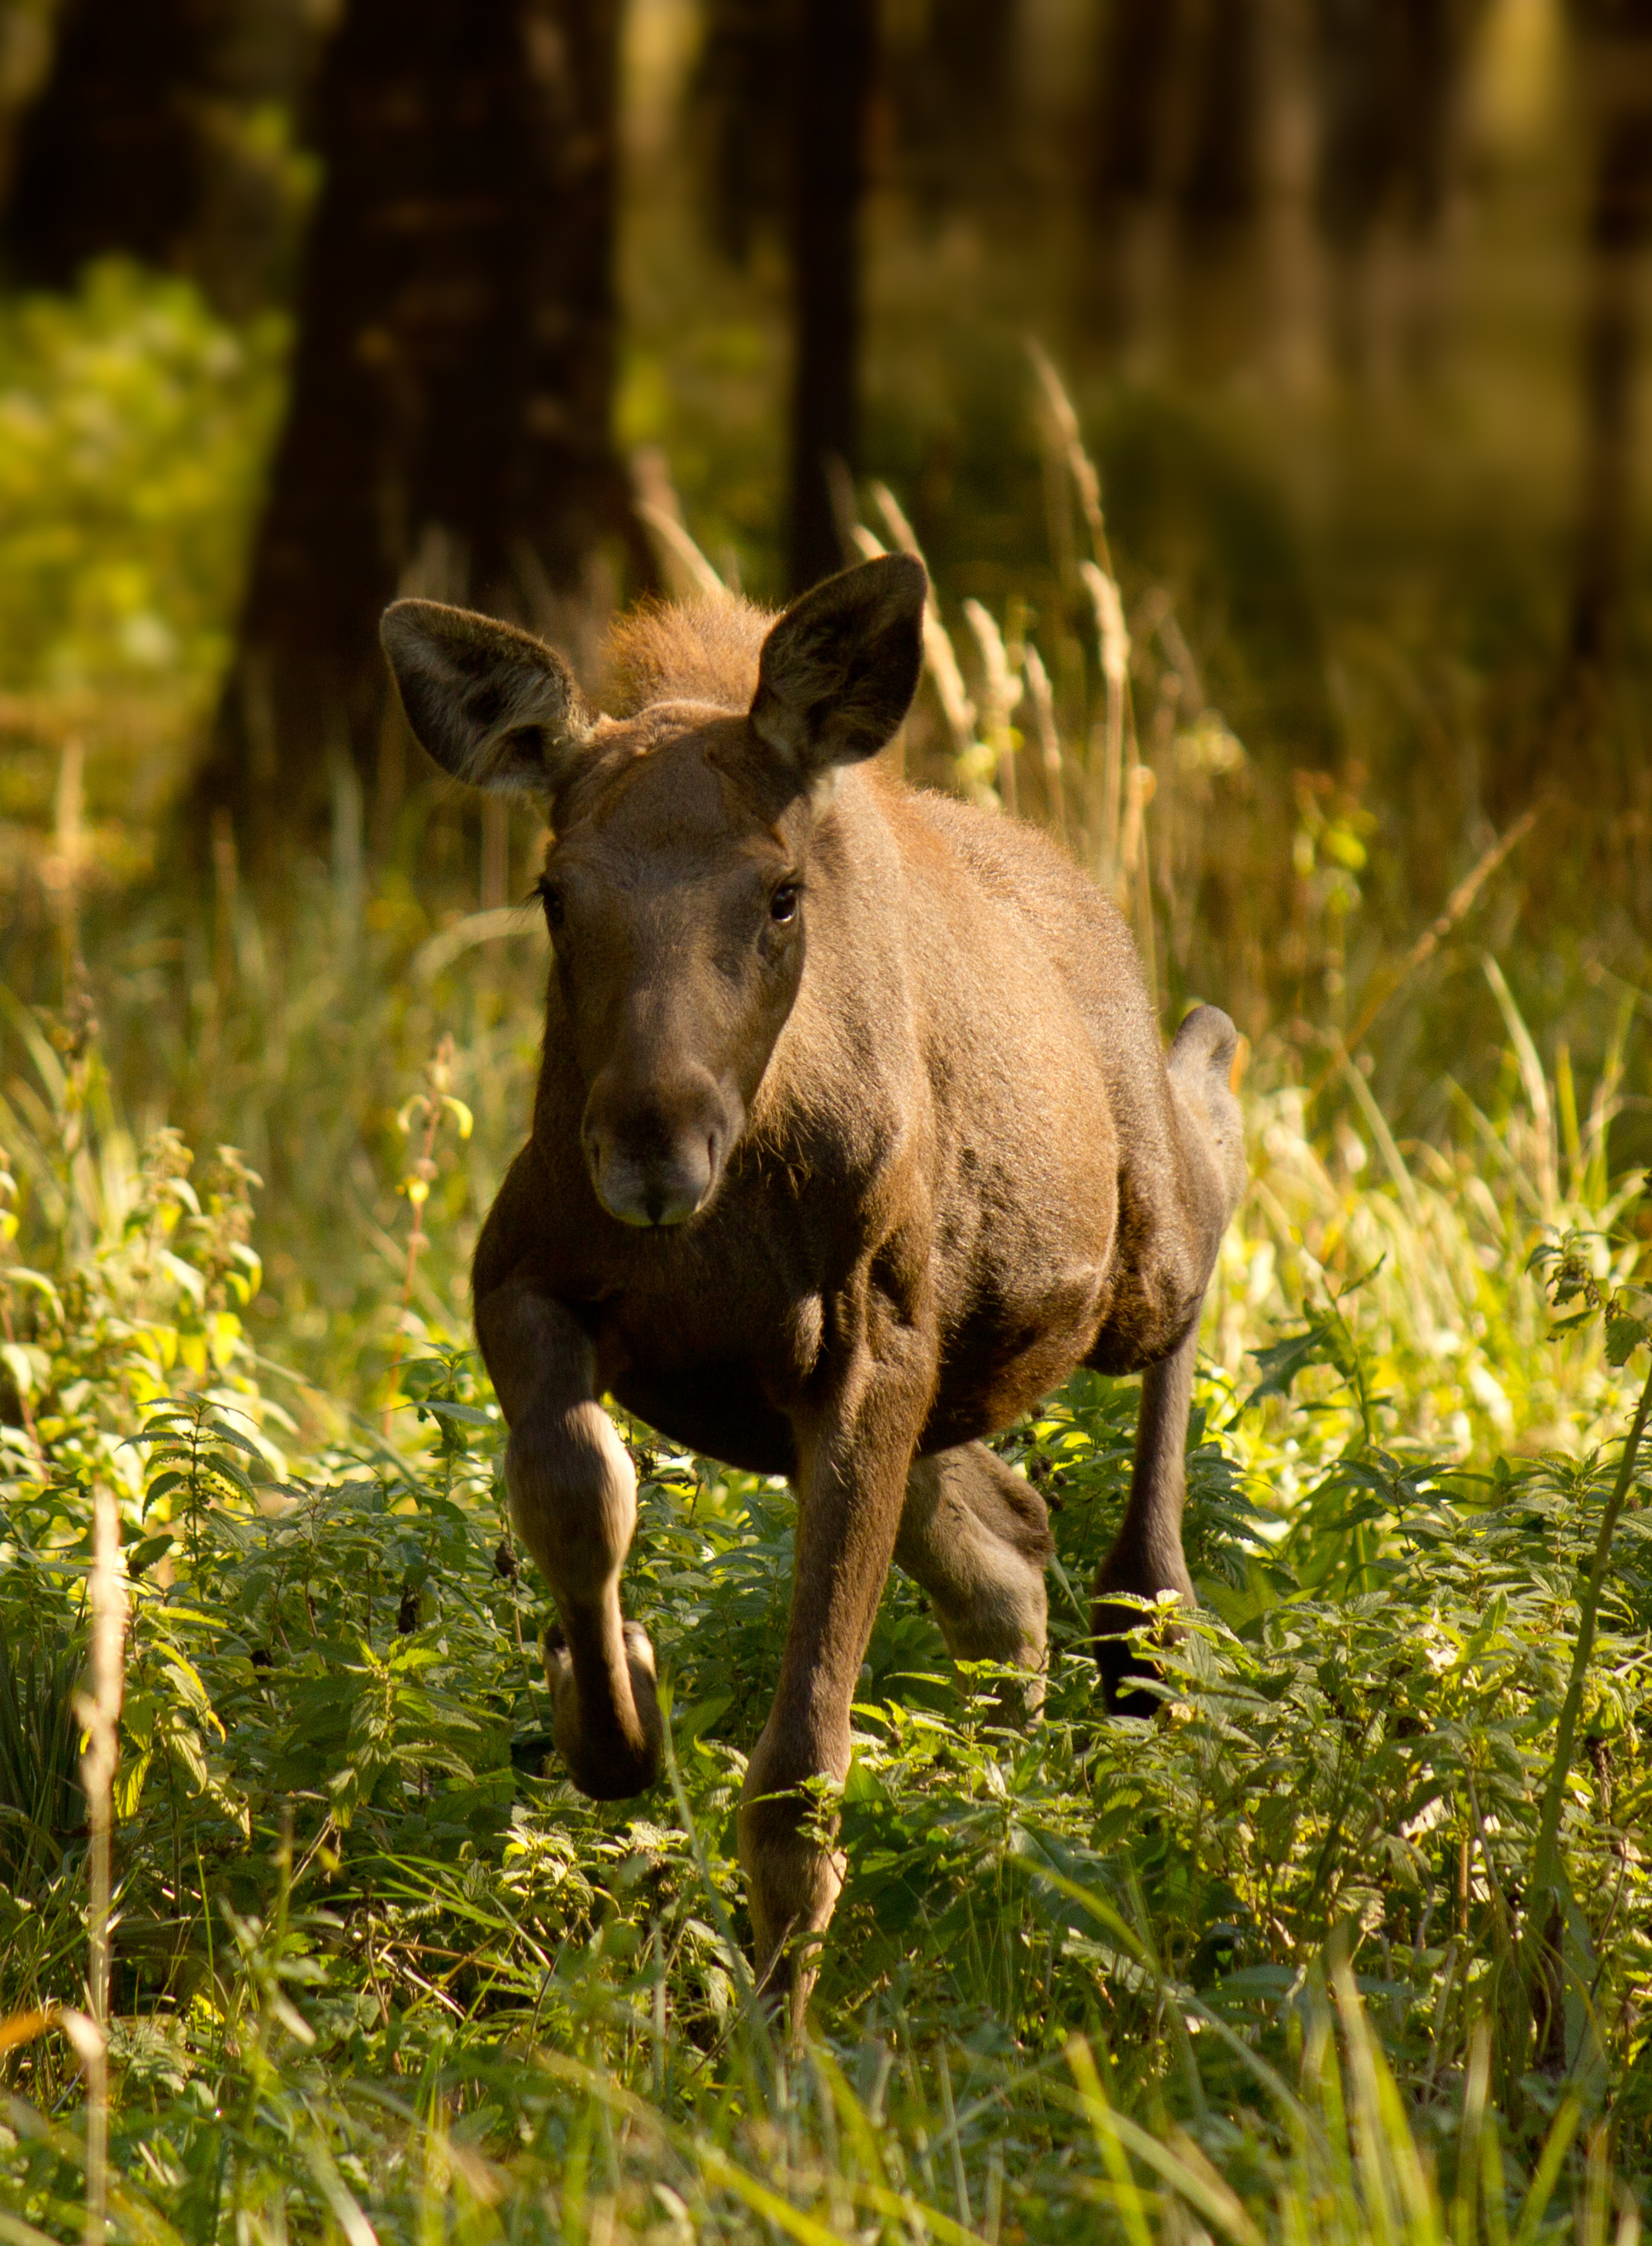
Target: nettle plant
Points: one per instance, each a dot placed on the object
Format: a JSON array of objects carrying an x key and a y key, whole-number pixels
[{"x": 1570, "y": 1268}]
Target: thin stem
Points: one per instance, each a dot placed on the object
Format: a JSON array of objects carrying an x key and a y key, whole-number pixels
[
  {"x": 26, "y": 1408},
  {"x": 1546, "y": 1863},
  {"x": 99, "y": 1709},
  {"x": 418, "y": 1239}
]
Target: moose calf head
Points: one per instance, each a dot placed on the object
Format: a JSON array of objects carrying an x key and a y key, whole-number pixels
[{"x": 678, "y": 886}]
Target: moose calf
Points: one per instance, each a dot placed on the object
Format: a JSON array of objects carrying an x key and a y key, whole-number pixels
[{"x": 854, "y": 1136}]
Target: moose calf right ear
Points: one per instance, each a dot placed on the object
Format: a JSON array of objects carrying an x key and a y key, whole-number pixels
[
  {"x": 493, "y": 705},
  {"x": 838, "y": 670}
]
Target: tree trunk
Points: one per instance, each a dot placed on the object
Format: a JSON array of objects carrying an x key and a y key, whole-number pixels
[
  {"x": 748, "y": 57},
  {"x": 141, "y": 145},
  {"x": 1172, "y": 191},
  {"x": 835, "y": 54},
  {"x": 107, "y": 159},
  {"x": 1617, "y": 60},
  {"x": 245, "y": 241},
  {"x": 448, "y": 430},
  {"x": 1391, "y": 74},
  {"x": 954, "y": 91}
]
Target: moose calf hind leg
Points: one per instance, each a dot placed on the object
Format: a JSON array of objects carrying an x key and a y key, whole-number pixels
[
  {"x": 605, "y": 1769},
  {"x": 1146, "y": 1559},
  {"x": 975, "y": 1538}
]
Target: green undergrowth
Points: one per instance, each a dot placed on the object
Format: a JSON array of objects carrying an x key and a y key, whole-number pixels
[
  {"x": 1260, "y": 1966},
  {"x": 133, "y": 426}
]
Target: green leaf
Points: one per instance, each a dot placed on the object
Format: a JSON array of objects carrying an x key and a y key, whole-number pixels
[
  {"x": 220, "y": 1432},
  {"x": 1280, "y": 1363},
  {"x": 1624, "y": 1334},
  {"x": 231, "y": 1473},
  {"x": 148, "y": 1551}
]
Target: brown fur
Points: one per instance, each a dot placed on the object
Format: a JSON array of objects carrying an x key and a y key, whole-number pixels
[
  {"x": 833, "y": 1191},
  {"x": 704, "y": 654}
]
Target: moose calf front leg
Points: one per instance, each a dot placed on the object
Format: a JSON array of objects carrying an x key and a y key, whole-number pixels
[
  {"x": 573, "y": 1492},
  {"x": 854, "y": 1462}
]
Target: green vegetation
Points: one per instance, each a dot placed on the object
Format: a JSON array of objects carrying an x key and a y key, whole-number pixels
[
  {"x": 132, "y": 429},
  {"x": 375, "y": 1960},
  {"x": 1265, "y": 1966}
]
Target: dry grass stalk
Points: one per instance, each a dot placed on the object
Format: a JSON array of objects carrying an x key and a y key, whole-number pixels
[
  {"x": 64, "y": 865},
  {"x": 1063, "y": 426},
  {"x": 1536, "y": 1086},
  {"x": 1042, "y": 699},
  {"x": 688, "y": 573},
  {"x": 938, "y": 659},
  {"x": 1106, "y": 790},
  {"x": 1141, "y": 788},
  {"x": 1106, "y": 786},
  {"x": 1001, "y": 690},
  {"x": 98, "y": 1711}
]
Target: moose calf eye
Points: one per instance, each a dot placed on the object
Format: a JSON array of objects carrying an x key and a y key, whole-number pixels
[
  {"x": 784, "y": 903},
  {"x": 551, "y": 900}
]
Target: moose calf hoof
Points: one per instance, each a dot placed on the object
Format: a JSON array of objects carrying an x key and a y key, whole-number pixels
[
  {"x": 612, "y": 1752},
  {"x": 1018, "y": 1701},
  {"x": 785, "y": 1984},
  {"x": 1124, "y": 1671}
]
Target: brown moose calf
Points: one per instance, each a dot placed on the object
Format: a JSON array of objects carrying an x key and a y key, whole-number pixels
[{"x": 853, "y": 1137}]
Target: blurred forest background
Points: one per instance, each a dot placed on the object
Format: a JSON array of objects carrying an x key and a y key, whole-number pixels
[{"x": 310, "y": 302}]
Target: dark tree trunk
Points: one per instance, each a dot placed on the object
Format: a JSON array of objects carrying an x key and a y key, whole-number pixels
[
  {"x": 835, "y": 53},
  {"x": 1390, "y": 75},
  {"x": 1137, "y": 132},
  {"x": 140, "y": 144},
  {"x": 108, "y": 158},
  {"x": 953, "y": 93},
  {"x": 448, "y": 428},
  {"x": 781, "y": 97},
  {"x": 748, "y": 59},
  {"x": 1617, "y": 59},
  {"x": 1172, "y": 190},
  {"x": 245, "y": 241}
]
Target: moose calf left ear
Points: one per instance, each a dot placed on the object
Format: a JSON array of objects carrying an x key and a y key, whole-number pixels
[
  {"x": 838, "y": 670},
  {"x": 493, "y": 705}
]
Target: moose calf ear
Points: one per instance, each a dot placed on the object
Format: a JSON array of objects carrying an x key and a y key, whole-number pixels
[
  {"x": 838, "y": 670},
  {"x": 492, "y": 705}
]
